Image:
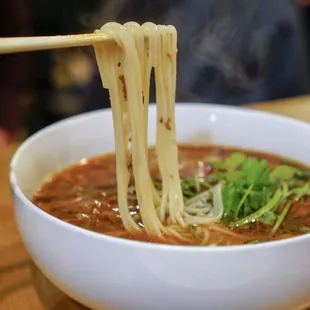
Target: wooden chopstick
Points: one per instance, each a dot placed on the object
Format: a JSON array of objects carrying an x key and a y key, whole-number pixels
[{"x": 29, "y": 44}]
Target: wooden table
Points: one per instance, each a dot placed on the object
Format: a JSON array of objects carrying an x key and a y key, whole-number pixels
[{"x": 22, "y": 285}]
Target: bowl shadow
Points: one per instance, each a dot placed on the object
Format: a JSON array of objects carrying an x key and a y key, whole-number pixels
[{"x": 50, "y": 295}]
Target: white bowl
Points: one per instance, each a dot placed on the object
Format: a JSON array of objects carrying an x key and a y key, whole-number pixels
[{"x": 101, "y": 271}]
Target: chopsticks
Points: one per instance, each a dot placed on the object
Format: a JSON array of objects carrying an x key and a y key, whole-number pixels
[{"x": 29, "y": 44}]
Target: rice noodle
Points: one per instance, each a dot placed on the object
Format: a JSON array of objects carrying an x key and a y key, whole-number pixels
[{"x": 125, "y": 67}]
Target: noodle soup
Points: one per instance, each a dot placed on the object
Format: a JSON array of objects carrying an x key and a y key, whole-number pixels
[
  {"x": 85, "y": 195},
  {"x": 184, "y": 196},
  {"x": 96, "y": 269}
]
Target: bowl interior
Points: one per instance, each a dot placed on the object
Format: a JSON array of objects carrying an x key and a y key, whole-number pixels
[{"x": 90, "y": 134}]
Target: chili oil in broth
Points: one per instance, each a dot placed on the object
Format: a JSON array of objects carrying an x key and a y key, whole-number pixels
[{"x": 85, "y": 195}]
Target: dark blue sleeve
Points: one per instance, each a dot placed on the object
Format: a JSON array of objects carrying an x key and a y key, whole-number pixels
[{"x": 243, "y": 51}]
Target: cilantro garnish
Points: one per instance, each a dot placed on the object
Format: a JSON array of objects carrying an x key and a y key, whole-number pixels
[{"x": 251, "y": 191}]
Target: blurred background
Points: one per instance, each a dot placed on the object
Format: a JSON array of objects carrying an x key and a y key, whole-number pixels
[{"x": 230, "y": 52}]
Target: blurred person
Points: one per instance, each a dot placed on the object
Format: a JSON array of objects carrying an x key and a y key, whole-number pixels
[
  {"x": 305, "y": 5},
  {"x": 230, "y": 51}
]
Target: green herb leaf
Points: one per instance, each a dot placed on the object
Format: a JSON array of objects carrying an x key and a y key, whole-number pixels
[
  {"x": 301, "y": 191},
  {"x": 231, "y": 198},
  {"x": 231, "y": 162},
  {"x": 235, "y": 159},
  {"x": 281, "y": 218},
  {"x": 256, "y": 171},
  {"x": 303, "y": 175},
  {"x": 268, "y": 218},
  {"x": 284, "y": 173},
  {"x": 241, "y": 202},
  {"x": 256, "y": 215},
  {"x": 235, "y": 176}
]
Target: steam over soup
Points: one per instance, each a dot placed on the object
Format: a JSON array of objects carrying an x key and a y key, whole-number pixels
[{"x": 264, "y": 197}]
